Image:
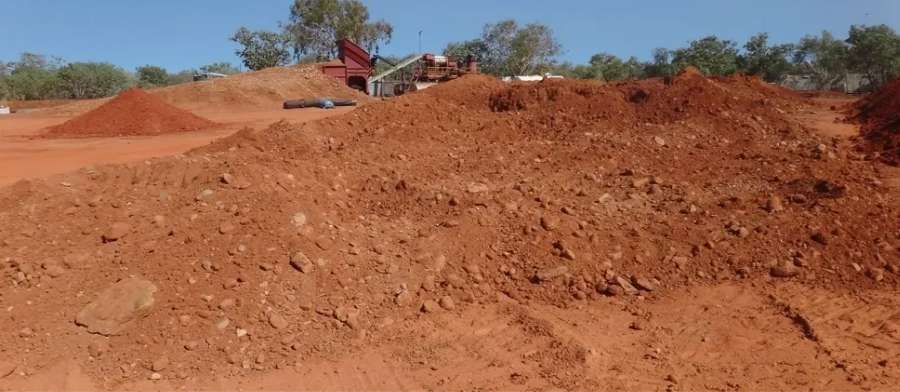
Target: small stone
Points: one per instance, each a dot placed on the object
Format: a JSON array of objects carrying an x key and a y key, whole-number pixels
[
  {"x": 299, "y": 220},
  {"x": 114, "y": 308},
  {"x": 205, "y": 194},
  {"x": 644, "y": 284},
  {"x": 819, "y": 237},
  {"x": 659, "y": 141},
  {"x": 403, "y": 298},
  {"x": 222, "y": 324},
  {"x": 301, "y": 263},
  {"x": 551, "y": 273},
  {"x": 446, "y": 302},
  {"x": 626, "y": 285},
  {"x": 160, "y": 364},
  {"x": 226, "y": 304},
  {"x": 116, "y": 231},
  {"x": 784, "y": 269},
  {"x": 97, "y": 349},
  {"x": 549, "y": 223},
  {"x": 155, "y": 376},
  {"x": 227, "y": 179},
  {"x": 26, "y": 333},
  {"x": 614, "y": 290},
  {"x": 191, "y": 345},
  {"x": 277, "y": 321},
  {"x": 240, "y": 332},
  {"x": 640, "y": 182},
  {"x": 226, "y": 228},
  {"x": 876, "y": 274},
  {"x": 430, "y": 306},
  {"x": 428, "y": 284},
  {"x": 266, "y": 266},
  {"x": 774, "y": 204}
]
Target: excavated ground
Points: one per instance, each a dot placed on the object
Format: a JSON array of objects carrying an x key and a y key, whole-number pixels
[{"x": 475, "y": 235}]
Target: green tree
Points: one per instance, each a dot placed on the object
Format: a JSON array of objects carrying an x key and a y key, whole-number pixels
[
  {"x": 769, "y": 62},
  {"x": 92, "y": 80},
  {"x": 462, "y": 50},
  {"x": 152, "y": 76},
  {"x": 506, "y": 48},
  {"x": 316, "y": 25},
  {"x": 824, "y": 58},
  {"x": 711, "y": 55},
  {"x": 661, "y": 65},
  {"x": 220, "y": 67},
  {"x": 262, "y": 49},
  {"x": 609, "y": 67},
  {"x": 33, "y": 76},
  {"x": 875, "y": 52}
]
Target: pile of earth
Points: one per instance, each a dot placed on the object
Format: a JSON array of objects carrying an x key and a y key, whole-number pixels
[
  {"x": 256, "y": 90},
  {"x": 879, "y": 117},
  {"x": 270, "y": 248},
  {"x": 132, "y": 113}
]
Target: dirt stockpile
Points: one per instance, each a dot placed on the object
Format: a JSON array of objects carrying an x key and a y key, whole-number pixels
[
  {"x": 879, "y": 116},
  {"x": 257, "y": 90},
  {"x": 271, "y": 248},
  {"x": 131, "y": 113}
]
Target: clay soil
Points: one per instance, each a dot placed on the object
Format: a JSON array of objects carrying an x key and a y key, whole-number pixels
[{"x": 708, "y": 234}]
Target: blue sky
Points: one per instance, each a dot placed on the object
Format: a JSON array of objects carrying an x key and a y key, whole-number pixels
[{"x": 179, "y": 34}]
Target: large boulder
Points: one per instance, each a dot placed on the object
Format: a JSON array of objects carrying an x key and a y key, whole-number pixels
[{"x": 117, "y": 306}]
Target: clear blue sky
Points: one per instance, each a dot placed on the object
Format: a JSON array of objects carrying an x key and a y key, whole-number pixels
[{"x": 179, "y": 34}]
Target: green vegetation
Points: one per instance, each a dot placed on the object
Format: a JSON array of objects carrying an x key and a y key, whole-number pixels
[
  {"x": 316, "y": 25},
  {"x": 262, "y": 49},
  {"x": 506, "y": 48}
]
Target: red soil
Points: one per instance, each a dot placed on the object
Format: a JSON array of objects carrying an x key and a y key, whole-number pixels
[
  {"x": 132, "y": 113},
  {"x": 879, "y": 116}
]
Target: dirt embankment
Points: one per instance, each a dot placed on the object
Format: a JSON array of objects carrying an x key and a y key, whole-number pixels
[
  {"x": 879, "y": 118},
  {"x": 271, "y": 248},
  {"x": 265, "y": 89}
]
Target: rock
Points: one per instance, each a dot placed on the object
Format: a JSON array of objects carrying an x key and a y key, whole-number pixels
[
  {"x": 876, "y": 274},
  {"x": 430, "y": 306},
  {"x": 227, "y": 179},
  {"x": 549, "y": 223},
  {"x": 819, "y": 237},
  {"x": 428, "y": 284},
  {"x": 784, "y": 269},
  {"x": 659, "y": 141},
  {"x": 26, "y": 333},
  {"x": 191, "y": 345},
  {"x": 97, "y": 349},
  {"x": 446, "y": 302},
  {"x": 301, "y": 263},
  {"x": 403, "y": 298},
  {"x": 155, "y": 376},
  {"x": 614, "y": 290},
  {"x": 226, "y": 304},
  {"x": 277, "y": 321},
  {"x": 774, "y": 204},
  {"x": 477, "y": 188},
  {"x": 266, "y": 266},
  {"x": 160, "y": 364},
  {"x": 644, "y": 283},
  {"x": 226, "y": 228},
  {"x": 117, "y": 306},
  {"x": 626, "y": 285},
  {"x": 205, "y": 194},
  {"x": 116, "y": 231},
  {"x": 640, "y": 182},
  {"x": 551, "y": 273},
  {"x": 299, "y": 220},
  {"x": 564, "y": 251}
]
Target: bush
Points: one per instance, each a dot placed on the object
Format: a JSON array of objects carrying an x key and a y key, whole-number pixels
[
  {"x": 152, "y": 76},
  {"x": 92, "y": 80}
]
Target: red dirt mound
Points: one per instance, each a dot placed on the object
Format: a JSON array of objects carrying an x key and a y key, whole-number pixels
[
  {"x": 879, "y": 116},
  {"x": 132, "y": 113}
]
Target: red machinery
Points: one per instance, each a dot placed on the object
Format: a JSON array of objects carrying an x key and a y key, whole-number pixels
[{"x": 354, "y": 67}]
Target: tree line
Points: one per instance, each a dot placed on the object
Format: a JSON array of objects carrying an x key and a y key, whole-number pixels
[
  {"x": 506, "y": 48},
  {"x": 35, "y": 76}
]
